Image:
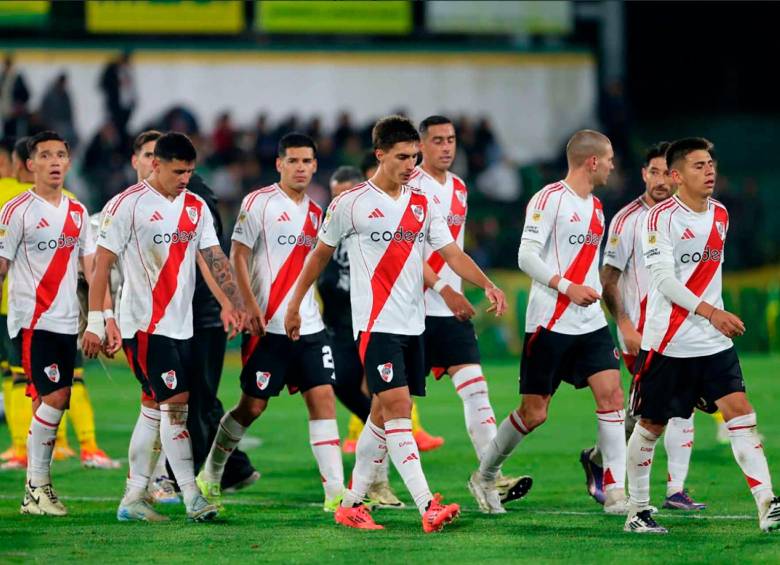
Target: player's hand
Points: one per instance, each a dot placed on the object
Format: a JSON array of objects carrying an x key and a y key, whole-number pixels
[
  {"x": 631, "y": 338},
  {"x": 458, "y": 303},
  {"x": 727, "y": 323},
  {"x": 90, "y": 345},
  {"x": 113, "y": 341},
  {"x": 582, "y": 295},
  {"x": 497, "y": 300},
  {"x": 255, "y": 320},
  {"x": 292, "y": 324},
  {"x": 232, "y": 320}
]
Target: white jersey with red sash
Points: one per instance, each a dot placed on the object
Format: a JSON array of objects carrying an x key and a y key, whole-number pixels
[
  {"x": 156, "y": 240},
  {"x": 281, "y": 233},
  {"x": 693, "y": 243},
  {"x": 385, "y": 240},
  {"x": 570, "y": 229},
  {"x": 43, "y": 243},
  {"x": 450, "y": 199},
  {"x": 624, "y": 252}
]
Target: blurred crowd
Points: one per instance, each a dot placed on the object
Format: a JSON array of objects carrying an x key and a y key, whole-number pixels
[{"x": 236, "y": 158}]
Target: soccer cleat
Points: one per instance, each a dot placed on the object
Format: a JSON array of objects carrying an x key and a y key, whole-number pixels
[
  {"x": 212, "y": 491},
  {"x": 139, "y": 511},
  {"x": 247, "y": 482},
  {"x": 357, "y": 517},
  {"x": 15, "y": 463},
  {"x": 769, "y": 519},
  {"x": 427, "y": 442},
  {"x": 682, "y": 501},
  {"x": 201, "y": 510},
  {"x": 97, "y": 459},
  {"x": 513, "y": 488},
  {"x": 7, "y": 454},
  {"x": 643, "y": 523},
  {"x": 439, "y": 515},
  {"x": 63, "y": 452},
  {"x": 382, "y": 496},
  {"x": 485, "y": 494},
  {"x": 331, "y": 504},
  {"x": 616, "y": 502},
  {"x": 161, "y": 491},
  {"x": 594, "y": 476},
  {"x": 349, "y": 446},
  {"x": 42, "y": 501}
]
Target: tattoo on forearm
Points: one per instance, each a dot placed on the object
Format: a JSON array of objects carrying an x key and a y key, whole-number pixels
[{"x": 223, "y": 273}]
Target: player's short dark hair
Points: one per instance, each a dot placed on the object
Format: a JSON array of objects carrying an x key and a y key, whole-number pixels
[
  {"x": 347, "y": 173},
  {"x": 433, "y": 121},
  {"x": 391, "y": 130},
  {"x": 48, "y": 135},
  {"x": 680, "y": 149},
  {"x": 295, "y": 139},
  {"x": 145, "y": 137},
  {"x": 656, "y": 150},
  {"x": 175, "y": 146},
  {"x": 368, "y": 162},
  {"x": 7, "y": 145}
]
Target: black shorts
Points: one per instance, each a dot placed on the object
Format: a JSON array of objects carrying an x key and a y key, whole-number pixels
[
  {"x": 550, "y": 357},
  {"x": 161, "y": 364},
  {"x": 392, "y": 361},
  {"x": 47, "y": 359},
  {"x": 274, "y": 360},
  {"x": 349, "y": 369},
  {"x": 671, "y": 387},
  {"x": 448, "y": 343}
]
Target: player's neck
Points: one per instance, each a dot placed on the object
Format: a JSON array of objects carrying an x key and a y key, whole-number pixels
[
  {"x": 155, "y": 184},
  {"x": 440, "y": 176},
  {"x": 694, "y": 202},
  {"x": 51, "y": 194},
  {"x": 386, "y": 185},
  {"x": 579, "y": 183},
  {"x": 293, "y": 195}
]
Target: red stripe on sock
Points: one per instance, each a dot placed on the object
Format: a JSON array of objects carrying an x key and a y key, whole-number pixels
[
  {"x": 612, "y": 421},
  {"x": 519, "y": 426},
  {"x": 398, "y": 431},
  {"x": 380, "y": 436},
  {"x": 741, "y": 428},
  {"x": 327, "y": 442},
  {"x": 607, "y": 411},
  {"x": 469, "y": 382},
  {"x": 45, "y": 423}
]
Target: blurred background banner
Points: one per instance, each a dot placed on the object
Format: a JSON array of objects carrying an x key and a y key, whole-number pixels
[
  {"x": 168, "y": 16},
  {"x": 346, "y": 17},
  {"x": 30, "y": 14},
  {"x": 490, "y": 17}
]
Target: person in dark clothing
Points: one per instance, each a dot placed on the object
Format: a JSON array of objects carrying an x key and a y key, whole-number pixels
[{"x": 118, "y": 86}]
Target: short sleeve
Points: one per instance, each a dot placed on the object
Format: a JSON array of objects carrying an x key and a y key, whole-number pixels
[
  {"x": 247, "y": 228},
  {"x": 620, "y": 246},
  {"x": 539, "y": 219},
  {"x": 11, "y": 234},
  {"x": 656, "y": 243},
  {"x": 334, "y": 226},
  {"x": 208, "y": 237},
  {"x": 86, "y": 239},
  {"x": 438, "y": 233},
  {"x": 115, "y": 225}
]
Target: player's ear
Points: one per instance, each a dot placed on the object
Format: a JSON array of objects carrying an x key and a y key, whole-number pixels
[
  {"x": 315, "y": 165},
  {"x": 379, "y": 154},
  {"x": 278, "y": 164},
  {"x": 134, "y": 162}
]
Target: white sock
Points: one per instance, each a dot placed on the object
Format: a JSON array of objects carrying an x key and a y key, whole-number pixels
[
  {"x": 370, "y": 457},
  {"x": 383, "y": 469},
  {"x": 160, "y": 470},
  {"x": 749, "y": 453},
  {"x": 406, "y": 458},
  {"x": 641, "y": 447},
  {"x": 510, "y": 433},
  {"x": 178, "y": 448},
  {"x": 612, "y": 445},
  {"x": 472, "y": 388},
  {"x": 325, "y": 444},
  {"x": 40, "y": 443},
  {"x": 678, "y": 442},
  {"x": 141, "y": 453},
  {"x": 229, "y": 433}
]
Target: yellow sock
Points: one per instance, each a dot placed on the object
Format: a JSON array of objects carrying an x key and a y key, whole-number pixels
[
  {"x": 8, "y": 386},
  {"x": 354, "y": 428},
  {"x": 718, "y": 417},
  {"x": 61, "y": 440},
  {"x": 82, "y": 417},
  {"x": 21, "y": 415},
  {"x": 416, "y": 424}
]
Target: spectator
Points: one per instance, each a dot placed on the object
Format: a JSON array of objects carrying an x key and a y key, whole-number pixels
[
  {"x": 56, "y": 110},
  {"x": 118, "y": 85},
  {"x": 14, "y": 96}
]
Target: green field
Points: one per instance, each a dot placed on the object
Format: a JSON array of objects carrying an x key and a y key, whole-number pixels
[{"x": 279, "y": 519}]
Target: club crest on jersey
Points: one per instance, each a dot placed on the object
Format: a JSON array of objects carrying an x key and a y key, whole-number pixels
[
  {"x": 76, "y": 217},
  {"x": 461, "y": 196},
  {"x": 263, "y": 378},
  {"x": 313, "y": 217},
  {"x": 385, "y": 371},
  {"x": 52, "y": 372},
  {"x": 192, "y": 212},
  {"x": 169, "y": 378},
  {"x": 600, "y": 215},
  {"x": 721, "y": 227},
  {"x": 419, "y": 212}
]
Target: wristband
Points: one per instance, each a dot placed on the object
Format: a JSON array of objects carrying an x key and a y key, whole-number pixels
[
  {"x": 108, "y": 314},
  {"x": 95, "y": 324},
  {"x": 439, "y": 286},
  {"x": 563, "y": 285}
]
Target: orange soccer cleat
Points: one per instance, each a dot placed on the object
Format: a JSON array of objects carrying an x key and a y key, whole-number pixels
[
  {"x": 349, "y": 446},
  {"x": 439, "y": 515},
  {"x": 97, "y": 459},
  {"x": 357, "y": 517},
  {"x": 427, "y": 442}
]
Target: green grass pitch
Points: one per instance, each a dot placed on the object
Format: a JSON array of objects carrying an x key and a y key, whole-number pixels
[{"x": 280, "y": 518}]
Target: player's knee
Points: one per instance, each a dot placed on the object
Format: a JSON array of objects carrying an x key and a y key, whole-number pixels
[
  {"x": 396, "y": 408},
  {"x": 249, "y": 410},
  {"x": 321, "y": 402},
  {"x": 533, "y": 416},
  {"x": 59, "y": 399}
]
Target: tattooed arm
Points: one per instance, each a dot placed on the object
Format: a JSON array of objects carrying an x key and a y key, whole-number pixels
[
  {"x": 614, "y": 300},
  {"x": 225, "y": 277}
]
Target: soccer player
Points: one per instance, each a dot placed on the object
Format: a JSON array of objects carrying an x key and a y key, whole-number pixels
[
  {"x": 49, "y": 234},
  {"x": 275, "y": 231},
  {"x": 385, "y": 225},
  {"x": 450, "y": 342},
  {"x": 687, "y": 358},
  {"x": 624, "y": 279},
  {"x": 566, "y": 332},
  {"x": 155, "y": 229}
]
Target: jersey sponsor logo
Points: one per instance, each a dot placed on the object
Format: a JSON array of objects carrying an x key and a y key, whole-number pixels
[
  {"x": 76, "y": 217},
  {"x": 192, "y": 213},
  {"x": 376, "y": 213},
  {"x": 263, "y": 378},
  {"x": 589, "y": 238},
  {"x": 399, "y": 234},
  {"x": 300, "y": 239},
  {"x": 169, "y": 378},
  {"x": 707, "y": 255},
  {"x": 385, "y": 371},
  {"x": 42, "y": 224},
  {"x": 174, "y": 237},
  {"x": 52, "y": 372},
  {"x": 456, "y": 219},
  {"x": 419, "y": 212},
  {"x": 156, "y": 217},
  {"x": 59, "y": 243}
]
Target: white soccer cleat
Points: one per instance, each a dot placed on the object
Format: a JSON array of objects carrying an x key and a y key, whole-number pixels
[
  {"x": 769, "y": 518},
  {"x": 139, "y": 511},
  {"x": 380, "y": 495},
  {"x": 42, "y": 501},
  {"x": 616, "y": 502},
  {"x": 486, "y": 494},
  {"x": 642, "y": 522},
  {"x": 162, "y": 492},
  {"x": 201, "y": 510}
]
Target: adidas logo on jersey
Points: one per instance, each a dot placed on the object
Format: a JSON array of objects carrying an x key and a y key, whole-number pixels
[
  {"x": 170, "y": 380},
  {"x": 575, "y": 218},
  {"x": 688, "y": 234},
  {"x": 376, "y": 213},
  {"x": 156, "y": 217},
  {"x": 285, "y": 217},
  {"x": 42, "y": 224}
]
